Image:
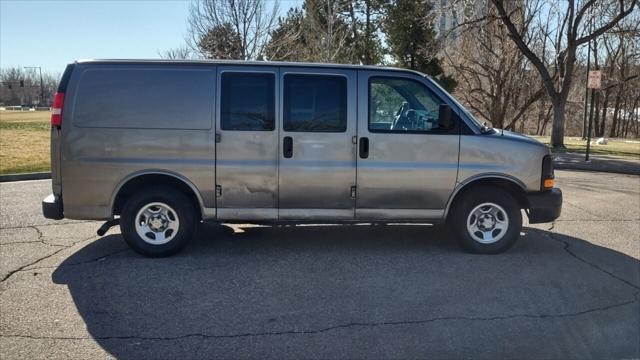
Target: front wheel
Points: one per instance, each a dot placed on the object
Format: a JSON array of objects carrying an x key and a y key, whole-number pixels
[
  {"x": 158, "y": 221},
  {"x": 487, "y": 220}
]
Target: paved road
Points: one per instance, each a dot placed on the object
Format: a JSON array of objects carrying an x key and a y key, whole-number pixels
[{"x": 566, "y": 290}]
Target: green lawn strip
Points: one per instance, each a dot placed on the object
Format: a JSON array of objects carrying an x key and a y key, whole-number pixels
[
  {"x": 26, "y": 168},
  {"x": 25, "y": 125}
]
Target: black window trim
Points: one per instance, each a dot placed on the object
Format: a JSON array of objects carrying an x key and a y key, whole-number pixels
[
  {"x": 316, "y": 74},
  {"x": 275, "y": 97},
  {"x": 453, "y": 131}
]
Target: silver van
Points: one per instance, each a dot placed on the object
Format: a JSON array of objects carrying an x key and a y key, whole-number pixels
[{"x": 159, "y": 146}]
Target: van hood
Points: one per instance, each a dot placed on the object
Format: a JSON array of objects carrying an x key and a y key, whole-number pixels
[{"x": 510, "y": 135}]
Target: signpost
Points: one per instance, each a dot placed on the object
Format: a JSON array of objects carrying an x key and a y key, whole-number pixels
[{"x": 594, "y": 83}]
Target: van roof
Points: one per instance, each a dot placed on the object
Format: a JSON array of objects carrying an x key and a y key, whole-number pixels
[{"x": 244, "y": 62}]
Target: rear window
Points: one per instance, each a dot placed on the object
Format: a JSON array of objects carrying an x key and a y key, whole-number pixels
[
  {"x": 315, "y": 103},
  {"x": 144, "y": 99},
  {"x": 247, "y": 101}
]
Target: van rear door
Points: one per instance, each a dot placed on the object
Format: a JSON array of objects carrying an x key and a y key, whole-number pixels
[
  {"x": 56, "y": 177},
  {"x": 317, "y": 144}
]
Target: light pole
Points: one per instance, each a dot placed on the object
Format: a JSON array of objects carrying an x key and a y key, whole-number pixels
[{"x": 41, "y": 83}]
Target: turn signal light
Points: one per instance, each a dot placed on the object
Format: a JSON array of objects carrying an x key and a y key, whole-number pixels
[{"x": 548, "y": 184}]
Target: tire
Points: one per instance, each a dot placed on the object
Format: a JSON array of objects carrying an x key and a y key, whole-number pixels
[
  {"x": 158, "y": 222},
  {"x": 486, "y": 220}
]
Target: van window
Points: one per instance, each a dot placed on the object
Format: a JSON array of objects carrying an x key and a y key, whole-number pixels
[
  {"x": 144, "y": 99},
  {"x": 402, "y": 105},
  {"x": 247, "y": 101},
  {"x": 315, "y": 103}
]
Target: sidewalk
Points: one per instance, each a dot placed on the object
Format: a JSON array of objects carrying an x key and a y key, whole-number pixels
[{"x": 603, "y": 163}]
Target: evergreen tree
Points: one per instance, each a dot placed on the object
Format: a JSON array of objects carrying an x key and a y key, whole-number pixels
[
  {"x": 363, "y": 18},
  {"x": 287, "y": 43},
  {"x": 411, "y": 38},
  {"x": 221, "y": 42}
]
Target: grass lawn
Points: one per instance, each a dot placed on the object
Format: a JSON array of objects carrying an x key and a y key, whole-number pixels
[
  {"x": 24, "y": 141},
  {"x": 619, "y": 147}
]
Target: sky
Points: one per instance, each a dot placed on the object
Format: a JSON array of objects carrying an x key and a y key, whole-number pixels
[{"x": 54, "y": 33}]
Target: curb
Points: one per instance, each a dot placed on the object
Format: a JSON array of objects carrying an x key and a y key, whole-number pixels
[{"x": 27, "y": 176}]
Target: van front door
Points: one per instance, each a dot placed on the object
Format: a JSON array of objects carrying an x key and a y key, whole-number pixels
[
  {"x": 317, "y": 161},
  {"x": 247, "y": 143},
  {"x": 407, "y": 159}
]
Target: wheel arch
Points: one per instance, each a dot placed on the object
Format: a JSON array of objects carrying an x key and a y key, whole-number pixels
[
  {"x": 514, "y": 186},
  {"x": 134, "y": 181}
]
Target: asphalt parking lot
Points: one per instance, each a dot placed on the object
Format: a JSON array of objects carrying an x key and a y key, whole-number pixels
[{"x": 566, "y": 290}]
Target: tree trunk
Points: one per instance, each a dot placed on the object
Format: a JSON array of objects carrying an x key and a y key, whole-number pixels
[
  {"x": 616, "y": 113},
  {"x": 604, "y": 113},
  {"x": 557, "y": 128},
  {"x": 368, "y": 59}
]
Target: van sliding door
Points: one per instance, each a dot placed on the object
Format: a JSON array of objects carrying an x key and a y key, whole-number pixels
[
  {"x": 247, "y": 143},
  {"x": 317, "y": 144}
]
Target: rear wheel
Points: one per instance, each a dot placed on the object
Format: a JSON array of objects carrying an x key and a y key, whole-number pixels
[
  {"x": 158, "y": 221},
  {"x": 486, "y": 220}
]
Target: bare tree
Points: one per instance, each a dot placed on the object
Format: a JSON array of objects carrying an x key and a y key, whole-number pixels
[
  {"x": 21, "y": 87},
  {"x": 327, "y": 35},
  {"x": 493, "y": 75},
  {"x": 245, "y": 25},
  {"x": 286, "y": 41},
  {"x": 571, "y": 31},
  {"x": 179, "y": 53}
]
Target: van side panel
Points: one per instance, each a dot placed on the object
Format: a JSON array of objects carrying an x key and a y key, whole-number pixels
[
  {"x": 126, "y": 119},
  {"x": 487, "y": 155}
]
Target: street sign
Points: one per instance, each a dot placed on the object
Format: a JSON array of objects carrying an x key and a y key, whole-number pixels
[{"x": 594, "y": 81}]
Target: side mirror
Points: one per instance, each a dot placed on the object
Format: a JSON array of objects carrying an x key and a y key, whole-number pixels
[{"x": 445, "y": 118}]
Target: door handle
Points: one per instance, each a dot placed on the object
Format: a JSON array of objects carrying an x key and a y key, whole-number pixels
[
  {"x": 287, "y": 147},
  {"x": 364, "y": 148}
]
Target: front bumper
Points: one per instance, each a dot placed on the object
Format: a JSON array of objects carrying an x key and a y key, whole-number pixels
[
  {"x": 52, "y": 207},
  {"x": 544, "y": 206}
]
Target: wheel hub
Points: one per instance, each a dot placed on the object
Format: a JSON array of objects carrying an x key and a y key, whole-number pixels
[
  {"x": 158, "y": 222},
  {"x": 486, "y": 222}
]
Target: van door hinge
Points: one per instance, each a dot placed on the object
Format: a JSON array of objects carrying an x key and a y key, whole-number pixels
[
  {"x": 218, "y": 191},
  {"x": 354, "y": 139},
  {"x": 353, "y": 192},
  {"x": 218, "y": 138}
]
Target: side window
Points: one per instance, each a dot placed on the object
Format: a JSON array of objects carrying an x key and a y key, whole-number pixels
[
  {"x": 136, "y": 97},
  {"x": 402, "y": 105},
  {"x": 315, "y": 103},
  {"x": 247, "y": 101}
]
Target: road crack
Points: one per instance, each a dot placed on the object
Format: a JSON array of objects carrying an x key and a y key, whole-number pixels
[
  {"x": 95, "y": 259},
  {"x": 597, "y": 220},
  {"x": 52, "y": 224},
  {"x": 335, "y": 327},
  {"x": 566, "y": 248},
  {"x": 62, "y": 247}
]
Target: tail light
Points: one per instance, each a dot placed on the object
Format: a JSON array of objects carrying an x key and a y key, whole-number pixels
[
  {"x": 56, "y": 109},
  {"x": 547, "y": 182}
]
